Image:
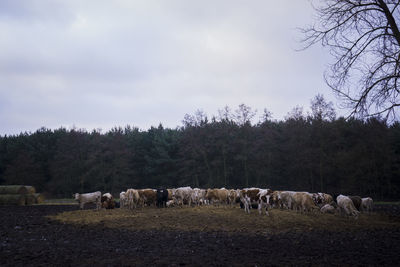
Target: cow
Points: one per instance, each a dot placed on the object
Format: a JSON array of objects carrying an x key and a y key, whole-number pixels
[
  {"x": 170, "y": 203},
  {"x": 356, "y": 201},
  {"x": 303, "y": 202},
  {"x": 320, "y": 199},
  {"x": 170, "y": 194},
  {"x": 233, "y": 197},
  {"x": 217, "y": 196},
  {"x": 198, "y": 196},
  {"x": 346, "y": 205},
  {"x": 94, "y": 197},
  {"x": 148, "y": 197},
  {"x": 317, "y": 198},
  {"x": 249, "y": 196},
  {"x": 123, "y": 201},
  {"x": 107, "y": 195},
  {"x": 182, "y": 195},
  {"x": 326, "y": 198},
  {"x": 132, "y": 198},
  {"x": 162, "y": 197},
  {"x": 366, "y": 204},
  {"x": 286, "y": 199},
  {"x": 327, "y": 208},
  {"x": 276, "y": 199},
  {"x": 107, "y": 201},
  {"x": 265, "y": 200}
]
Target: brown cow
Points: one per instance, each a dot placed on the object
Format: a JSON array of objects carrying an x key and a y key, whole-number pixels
[
  {"x": 265, "y": 200},
  {"x": 356, "y": 201},
  {"x": 249, "y": 196},
  {"x": 217, "y": 196},
  {"x": 147, "y": 197},
  {"x": 170, "y": 193},
  {"x": 276, "y": 199},
  {"x": 321, "y": 199},
  {"x": 233, "y": 197},
  {"x": 107, "y": 201},
  {"x": 303, "y": 202}
]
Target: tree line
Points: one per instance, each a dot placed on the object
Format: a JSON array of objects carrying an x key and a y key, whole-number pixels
[{"x": 316, "y": 152}]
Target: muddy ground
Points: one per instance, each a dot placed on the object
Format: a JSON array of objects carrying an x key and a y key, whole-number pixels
[{"x": 29, "y": 237}]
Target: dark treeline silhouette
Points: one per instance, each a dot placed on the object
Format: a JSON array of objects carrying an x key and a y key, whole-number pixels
[{"x": 315, "y": 153}]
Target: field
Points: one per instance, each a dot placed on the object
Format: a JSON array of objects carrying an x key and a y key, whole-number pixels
[{"x": 206, "y": 236}]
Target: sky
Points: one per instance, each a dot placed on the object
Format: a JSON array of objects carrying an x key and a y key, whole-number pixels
[{"x": 98, "y": 64}]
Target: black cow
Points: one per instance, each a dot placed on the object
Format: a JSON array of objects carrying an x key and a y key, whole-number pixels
[
  {"x": 162, "y": 197},
  {"x": 356, "y": 201}
]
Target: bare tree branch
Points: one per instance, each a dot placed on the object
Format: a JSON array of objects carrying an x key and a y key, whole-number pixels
[{"x": 364, "y": 39}]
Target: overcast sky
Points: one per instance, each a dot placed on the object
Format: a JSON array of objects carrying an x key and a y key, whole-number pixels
[{"x": 99, "y": 64}]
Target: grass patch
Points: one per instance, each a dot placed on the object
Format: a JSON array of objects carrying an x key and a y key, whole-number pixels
[
  {"x": 59, "y": 201},
  {"x": 231, "y": 220},
  {"x": 387, "y": 203}
]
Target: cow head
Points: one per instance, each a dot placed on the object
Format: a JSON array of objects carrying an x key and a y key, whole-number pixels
[{"x": 317, "y": 198}]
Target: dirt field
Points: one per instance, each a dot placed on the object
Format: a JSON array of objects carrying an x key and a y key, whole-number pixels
[{"x": 62, "y": 235}]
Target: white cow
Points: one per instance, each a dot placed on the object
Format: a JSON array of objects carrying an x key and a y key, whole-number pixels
[
  {"x": 108, "y": 195},
  {"x": 94, "y": 197},
  {"x": 132, "y": 198},
  {"x": 264, "y": 200},
  {"x": 122, "y": 199},
  {"x": 170, "y": 203},
  {"x": 366, "y": 204},
  {"x": 183, "y": 195},
  {"x": 197, "y": 196},
  {"x": 286, "y": 199},
  {"x": 346, "y": 204},
  {"x": 327, "y": 208}
]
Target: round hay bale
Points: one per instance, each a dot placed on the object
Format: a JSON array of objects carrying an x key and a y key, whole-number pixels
[
  {"x": 13, "y": 189},
  {"x": 14, "y": 199},
  {"x": 39, "y": 198},
  {"x": 30, "y": 199},
  {"x": 30, "y": 189}
]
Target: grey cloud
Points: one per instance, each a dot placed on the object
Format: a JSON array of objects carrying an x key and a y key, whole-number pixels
[
  {"x": 99, "y": 64},
  {"x": 35, "y": 11}
]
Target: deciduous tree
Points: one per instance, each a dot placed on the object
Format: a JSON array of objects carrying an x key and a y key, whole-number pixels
[{"x": 364, "y": 38}]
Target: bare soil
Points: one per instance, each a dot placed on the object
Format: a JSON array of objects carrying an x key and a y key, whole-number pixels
[{"x": 62, "y": 235}]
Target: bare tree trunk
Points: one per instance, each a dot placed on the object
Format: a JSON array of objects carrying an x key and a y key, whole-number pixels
[{"x": 391, "y": 21}]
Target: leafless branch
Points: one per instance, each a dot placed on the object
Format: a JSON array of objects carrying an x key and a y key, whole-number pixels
[{"x": 365, "y": 40}]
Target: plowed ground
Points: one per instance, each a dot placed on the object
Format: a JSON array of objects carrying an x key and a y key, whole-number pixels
[{"x": 61, "y": 235}]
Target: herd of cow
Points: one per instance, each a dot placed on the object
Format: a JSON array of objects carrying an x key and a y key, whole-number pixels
[{"x": 262, "y": 199}]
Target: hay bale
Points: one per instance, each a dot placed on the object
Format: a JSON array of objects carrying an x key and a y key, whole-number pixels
[
  {"x": 12, "y": 199},
  {"x": 39, "y": 198},
  {"x": 13, "y": 189},
  {"x": 30, "y": 199},
  {"x": 30, "y": 189}
]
